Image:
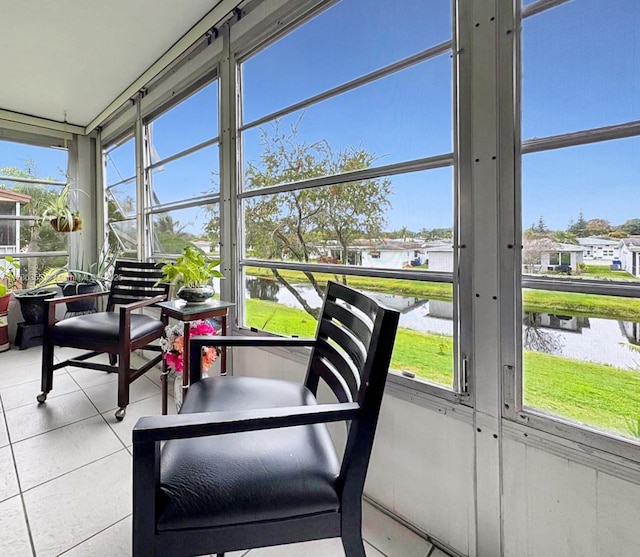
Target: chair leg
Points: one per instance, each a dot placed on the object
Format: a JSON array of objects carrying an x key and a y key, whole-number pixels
[
  {"x": 46, "y": 371},
  {"x": 124, "y": 361},
  {"x": 352, "y": 531}
]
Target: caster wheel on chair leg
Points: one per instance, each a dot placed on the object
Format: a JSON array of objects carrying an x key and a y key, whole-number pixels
[
  {"x": 120, "y": 413},
  {"x": 41, "y": 398}
]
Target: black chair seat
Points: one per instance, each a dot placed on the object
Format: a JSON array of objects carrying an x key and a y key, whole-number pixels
[
  {"x": 211, "y": 481},
  {"x": 104, "y": 328}
]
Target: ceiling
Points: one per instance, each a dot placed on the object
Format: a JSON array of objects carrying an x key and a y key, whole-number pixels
[{"x": 75, "y": 57}]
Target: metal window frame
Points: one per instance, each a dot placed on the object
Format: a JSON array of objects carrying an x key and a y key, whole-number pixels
[
  {"x": 245, "y": 50},
  {"x": 603, "y": 446}
]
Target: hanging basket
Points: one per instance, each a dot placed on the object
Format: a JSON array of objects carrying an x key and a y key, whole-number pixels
[{"x": 66, "y": 225}]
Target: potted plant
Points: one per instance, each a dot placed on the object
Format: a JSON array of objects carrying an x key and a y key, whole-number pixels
[
  {"x": 32, "y": 301},
  {"x": 60, "y": 214},
  {"x": 192, "y": 272},
  {"x": 86, "y": 279},
  {"x": 8, "y": 281}
]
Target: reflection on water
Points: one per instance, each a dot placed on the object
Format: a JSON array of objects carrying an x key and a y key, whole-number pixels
[{"x": 590, "y": 339}]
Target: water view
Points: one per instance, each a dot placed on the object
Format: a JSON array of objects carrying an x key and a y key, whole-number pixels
[{"x": 583, "y": 338}]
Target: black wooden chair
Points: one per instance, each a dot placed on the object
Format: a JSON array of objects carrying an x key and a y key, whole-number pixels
[
  {"x": 248, "y": 462},
  {"x": 116, "y": 333}
]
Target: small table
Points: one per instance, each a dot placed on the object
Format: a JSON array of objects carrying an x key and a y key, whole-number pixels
[{"x": 182, "y": 311}]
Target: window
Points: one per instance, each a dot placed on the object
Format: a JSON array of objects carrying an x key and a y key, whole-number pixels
[
  {"x": 181, "y": 174},
  {"x": 580, "y": 167},
  {"x": 348, "y": 162},
  {"x": 38, "y": 176},
  {"x": 121, "y": 196}
]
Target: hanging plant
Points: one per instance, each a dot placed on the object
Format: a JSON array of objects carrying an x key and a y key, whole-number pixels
[{"x": 59, "y": 213}]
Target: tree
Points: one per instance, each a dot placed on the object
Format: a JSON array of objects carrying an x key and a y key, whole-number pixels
[
  {"x": 579, "y": 228},
  {"x": 598, "y": 227},
  {"x": 630, "y": 227},
  {"x": 301, "y": 225},
  {"x": 542, "y": 225}
]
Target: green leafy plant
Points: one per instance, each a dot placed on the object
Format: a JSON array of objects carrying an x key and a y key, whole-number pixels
[
  {"x": 8, "y": 276},
  {"x": 192, "y": 269},
  {"x": 59, "y": 213}
]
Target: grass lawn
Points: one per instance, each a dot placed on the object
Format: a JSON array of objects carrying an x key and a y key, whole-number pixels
[{"x": 599, "y": 395}]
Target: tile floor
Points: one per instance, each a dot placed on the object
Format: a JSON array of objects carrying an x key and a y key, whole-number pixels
[{"x": 65, "y": 470}]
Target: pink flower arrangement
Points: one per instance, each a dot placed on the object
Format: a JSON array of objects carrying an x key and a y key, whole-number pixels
[{"x": 173, "y": 344}]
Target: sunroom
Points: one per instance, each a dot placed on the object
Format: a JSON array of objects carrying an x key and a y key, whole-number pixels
[{"x": 278, "y": 135}]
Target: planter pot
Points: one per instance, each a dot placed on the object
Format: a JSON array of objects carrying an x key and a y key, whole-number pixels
[
  {"x": 4, "y": 322},
  {"x": 66, "y": 226},
  {"x": 33, "y": 306},
  {"x": 196, "y": 294},
  {"x": 4, "y": 302},
  {"x": 80, "y": 306}
]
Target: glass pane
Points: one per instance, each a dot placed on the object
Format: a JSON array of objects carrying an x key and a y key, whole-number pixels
[
  {"x": 580, "y": 67},
  {"x": 189, "y": 176},
  {"x": 581, "y": 358},
  {"x": 376, "y": 222},
  {"x": 121, "y": 200},
  {"x": 173, "y": 230},
  {"x": 28, "y": 161},
  {"x": 185, "y": 125},
  {"x": 126, "y": 232},
  {"x": 120, "y": 162},
  {"x": 424, "y": 342},
  {"x": 578, "y": 202},
  {"x": 30, "y": 272},
  {"x": 404, "y": 116},
  {"x": 330, "y": 50}
]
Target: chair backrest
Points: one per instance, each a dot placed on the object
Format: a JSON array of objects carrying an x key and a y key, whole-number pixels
[
  {"x": 355, "y": 339},
  {"x": 134, "y": 281}
]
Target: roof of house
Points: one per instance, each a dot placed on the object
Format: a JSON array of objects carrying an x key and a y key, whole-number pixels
[
  {"x": 595, "y": 241},
  {"x": 10, "y": 195},
  {"x": 632, "y": 242},
  {"x": 566, "y": 247}
]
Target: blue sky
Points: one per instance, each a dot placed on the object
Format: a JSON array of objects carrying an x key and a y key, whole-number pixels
[{"x": 571, "y": 81}]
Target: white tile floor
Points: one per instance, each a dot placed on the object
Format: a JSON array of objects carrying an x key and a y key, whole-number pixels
[{"x": 65, "y": 470}]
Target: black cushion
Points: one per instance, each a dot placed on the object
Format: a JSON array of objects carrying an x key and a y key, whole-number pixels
[
  {"x": 212, "y": 481},
  {"x": 103, "y": 327}
]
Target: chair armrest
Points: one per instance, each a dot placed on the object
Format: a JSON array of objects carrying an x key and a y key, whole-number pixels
[
  {"x": 128, "y": 308},
  {"x": 220, "y": 340},
  {"x": 182, "y": 426}
]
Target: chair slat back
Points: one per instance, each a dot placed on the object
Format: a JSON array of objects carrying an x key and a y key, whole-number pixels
[
  {"x": 345, "y": 330},
  {"x": 134, "y": 281},
  {"x": 355, "y": 339}
]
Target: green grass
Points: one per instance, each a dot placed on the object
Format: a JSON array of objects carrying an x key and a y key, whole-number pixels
[
  {"x": 599, "y": 395},
  {"x": 604, "y": 272},
  {"x": 542, "y": 301}
]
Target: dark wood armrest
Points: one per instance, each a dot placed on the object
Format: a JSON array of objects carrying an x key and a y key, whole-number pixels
[
  {"x": 128, "y": 308},
  {"x": 220, "y": 340},
  {"x": 182, "y": 426}
]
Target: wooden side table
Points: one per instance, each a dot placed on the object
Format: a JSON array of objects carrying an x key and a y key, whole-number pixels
[{"x": 182, "y": 311}]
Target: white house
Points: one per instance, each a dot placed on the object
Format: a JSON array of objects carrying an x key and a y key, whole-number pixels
[
  {"x": 629, "y": 249},
  {"x": 387, "y": 254},
  {"x": 439, "y": 255},
  {"x": 603, "y": 250},
  {"x": 10, "y": 202}
]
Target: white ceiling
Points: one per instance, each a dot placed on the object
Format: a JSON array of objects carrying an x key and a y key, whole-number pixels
[{"x": 77, "y": 56}]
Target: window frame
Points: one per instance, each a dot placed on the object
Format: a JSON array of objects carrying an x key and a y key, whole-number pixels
[{"x": 607, "y": 446}]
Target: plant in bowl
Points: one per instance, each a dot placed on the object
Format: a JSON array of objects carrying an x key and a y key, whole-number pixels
[
  {"x": 59, "y": 212},
  {"x": 192, "y": 272}
]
